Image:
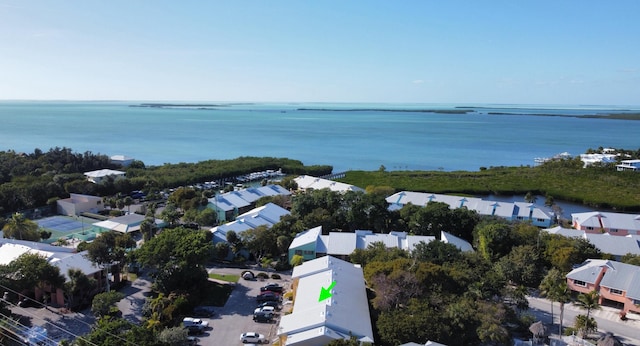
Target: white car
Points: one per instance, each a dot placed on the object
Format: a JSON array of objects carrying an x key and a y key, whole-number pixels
[
  {"x": 270, "y": 309},
  {"x": 252, "y": 337}
]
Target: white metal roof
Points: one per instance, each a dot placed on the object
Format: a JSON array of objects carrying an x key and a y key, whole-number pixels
[
  {"x": 103, "y": 173},
  {"x": 305, "y": 182},
  {"x": 306, "y": 237},
  {"x": 482, "y": 207},
  {"x": 346, "y": 311},
  {"x": 608, "y": 220}
]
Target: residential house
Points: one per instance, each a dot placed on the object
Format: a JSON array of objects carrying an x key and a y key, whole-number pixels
[
  {"x": 629, "y": 165},
  {"x": 62, "y": 257},
  {"x": 126, "y": 224},
  {"x": 231, "y": 204},
  {"x": 618, "y": 283},
  {"x": 607, "y": 222},
  {"x": 306, "y": 182},
  {"x": 121, "y": 160},
  {"x": 598, "y": 158},
  {"x": 312, "y": 243},
  {"x": 77, "y": 204},
  {"x": 267, "y": 215},
  {"x": 101, "y": 175},
  {"x": 330, "y": 303},
  {"x": 617, "y": 246},
  {"x": 513, "y": 211}
]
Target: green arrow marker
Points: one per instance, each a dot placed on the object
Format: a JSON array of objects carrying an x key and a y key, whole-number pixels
[{"x": 326, "y": 292}]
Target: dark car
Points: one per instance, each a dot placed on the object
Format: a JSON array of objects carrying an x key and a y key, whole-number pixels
[
  {"x": 268, "y": 296},
  {"x": 273, "y": 287},
  {"x": 265, "y": 317}
]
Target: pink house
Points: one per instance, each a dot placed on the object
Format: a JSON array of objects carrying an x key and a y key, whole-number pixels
[
  {"x": 617, "y": 283},
  {"x": 605, "y": 222}
]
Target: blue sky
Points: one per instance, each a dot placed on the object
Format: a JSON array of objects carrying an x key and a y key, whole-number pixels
[{"x": 532, "y": 52}]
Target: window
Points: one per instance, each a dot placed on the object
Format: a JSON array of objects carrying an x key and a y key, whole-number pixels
[
  {"x": 580, "y": 283},
  {"x": 589, "y": 228},
  {"x": 613, "y": 230},
  {"x": 541, "y": 220},
  {"x": 636, "y": 302},
  {"x": 615, "y": 291},
  {"x": 308, "y": 252},
  {"x": 298, "y": 252}
]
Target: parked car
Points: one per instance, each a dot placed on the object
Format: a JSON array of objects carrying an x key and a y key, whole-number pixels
[
  {"x": 269, "y": 309},
  {"x": 195, "y": 324},
  {"x": 274, "y": 304},
  {"x": 268, "y": 296},
  {"x": 252, "y": 337},
  {"x": 263, "y": 316},
  {"x": 273, "y": 287}
]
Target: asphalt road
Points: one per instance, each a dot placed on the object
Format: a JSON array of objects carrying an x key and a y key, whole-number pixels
[
  {"x": 236, "y": 317},
  {"x": 607, "y": 318}
]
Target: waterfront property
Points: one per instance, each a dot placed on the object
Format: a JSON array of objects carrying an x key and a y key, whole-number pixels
[
  {"x": 330, "y": 303},
  {"x": 617, "y": 246},
  {"x": 311, "y": 244},
  {"x": 617, "y": 283},
  {"x": 629, "y": 165},
  {"x": 98, "y": 176},
  {"x": 307, "y": 182},
  {"x": 231, "y": 204},
  {"x": 607, "y": 222},
  {"x": 512, "y": 211}
]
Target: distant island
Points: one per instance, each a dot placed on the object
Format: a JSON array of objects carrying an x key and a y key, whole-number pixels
[
  {"x": 439, "y": 111},
  {"x": 188, "y": 105}
]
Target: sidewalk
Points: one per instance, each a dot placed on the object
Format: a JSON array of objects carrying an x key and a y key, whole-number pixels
[{"x": 611, "y": 315}]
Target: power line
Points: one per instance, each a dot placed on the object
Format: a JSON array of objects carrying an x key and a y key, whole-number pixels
[
  {"x": 23, "y": 327},
  {"x": 62, "y": 315}
]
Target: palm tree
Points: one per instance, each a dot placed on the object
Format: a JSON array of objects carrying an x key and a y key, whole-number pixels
[
  {"x": 563, "y": 296},
  {"x": 549, "y": 287},
  {"x": 589, "y": 301},
  {"x": 21, "y": 228}
]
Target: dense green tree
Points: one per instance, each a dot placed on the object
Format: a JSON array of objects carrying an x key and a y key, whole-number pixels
[
  {"x": 521, "y": 266},
  {"x": 174, "y": 336},
  {"x": 117, "y": 331},
  {"x": 104, "y": 304},
  {"x": 493, "y": 240},
  {"x": 170, "y": 214},
  {"x": 21, "y": 228},
  {"x": 206, "y": 217},
  {"x": 260, "y": 242},
  {"x": 435, "y": 251},
  {"x": 177, "y": 258},
  {"x": 109, "y": 249},
  {"x": 78, "y": 289},
  {"x": 631, "y": 259},
  {"x": 31, "y": 270},
  {"x": 376, "y": 252}
]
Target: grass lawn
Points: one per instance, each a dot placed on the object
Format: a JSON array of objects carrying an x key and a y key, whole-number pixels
[{"x": 225, "y": 277}]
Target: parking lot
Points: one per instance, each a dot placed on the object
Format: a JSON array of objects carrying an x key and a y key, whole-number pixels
[{"x": 236, "y": 317}]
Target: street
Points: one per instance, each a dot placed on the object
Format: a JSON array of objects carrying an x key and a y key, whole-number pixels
[{"x": 608, "y": 319}]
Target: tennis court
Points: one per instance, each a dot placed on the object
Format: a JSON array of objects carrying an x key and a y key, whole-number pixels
[{"x": 61, "y": 224}]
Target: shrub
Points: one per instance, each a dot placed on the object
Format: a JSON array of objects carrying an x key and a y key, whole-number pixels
[
  {"x": 262, "y": 275},
  {"x": 276, "y": 276}
]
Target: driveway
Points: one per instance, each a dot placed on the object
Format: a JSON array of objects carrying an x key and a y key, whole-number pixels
[{"x": 236, "y": 317}]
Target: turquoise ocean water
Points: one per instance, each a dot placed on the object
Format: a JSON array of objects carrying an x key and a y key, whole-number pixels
[{"x": 362, "y": 138}]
